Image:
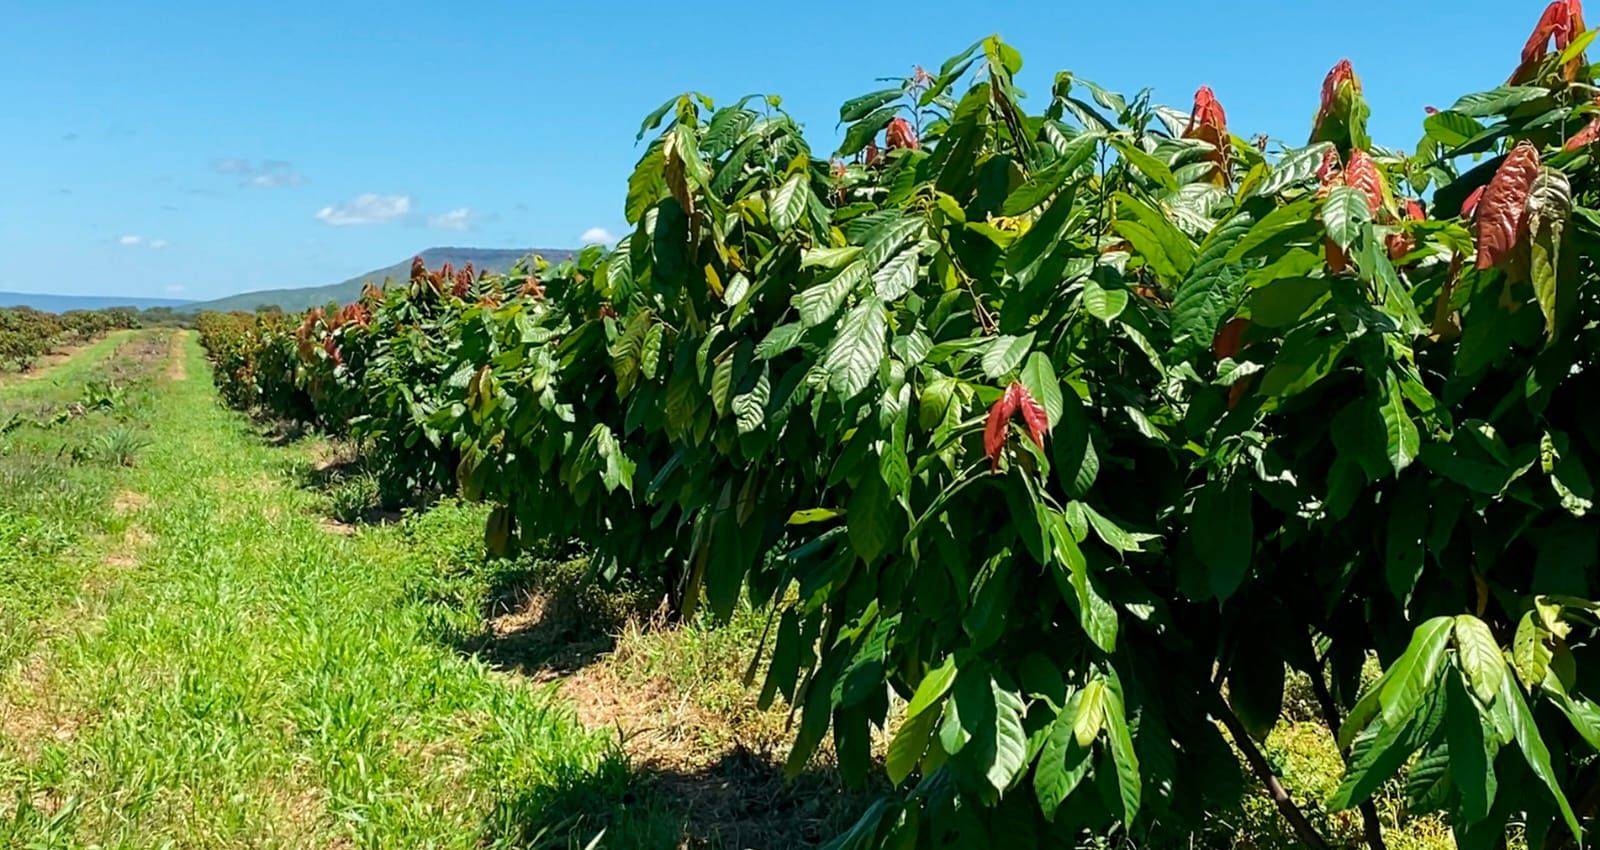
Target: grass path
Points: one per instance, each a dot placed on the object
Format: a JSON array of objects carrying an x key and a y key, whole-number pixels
[{"x": 224, "y": 672}]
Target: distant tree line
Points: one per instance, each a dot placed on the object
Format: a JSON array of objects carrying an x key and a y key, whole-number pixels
[{"x": 27, "y": 334}]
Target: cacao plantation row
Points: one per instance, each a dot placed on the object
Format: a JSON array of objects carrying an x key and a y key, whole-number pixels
[
  {"x": 1050, "y": 440},
  {"x": 27, "y": 334}
]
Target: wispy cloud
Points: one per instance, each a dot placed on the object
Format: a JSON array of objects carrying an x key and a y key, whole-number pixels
[
  {"x": 134, "y": 240},
  {"x": 267, "y": 174},
  {"x": 173, "y": 289},
  {"x": 368, "y": 208},
  {"x": 597, "y": 236},
  {"x": 456, "y": 219}
]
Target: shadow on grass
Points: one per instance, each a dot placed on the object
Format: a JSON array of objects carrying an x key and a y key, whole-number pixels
[
  {"x": 541, "y": 618},
  {"x": 740, "y": 801}
]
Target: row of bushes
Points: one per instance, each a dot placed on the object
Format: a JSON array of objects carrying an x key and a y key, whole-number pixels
[
  {"x": 27, "y": 334},
  {"x": 1071, "y": 429}
]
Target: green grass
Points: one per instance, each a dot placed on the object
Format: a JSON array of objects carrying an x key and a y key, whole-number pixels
[{"x": 216, "y": 669}]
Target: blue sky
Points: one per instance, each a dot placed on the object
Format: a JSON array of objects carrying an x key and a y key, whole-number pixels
[{"x": 199, "y": 149}]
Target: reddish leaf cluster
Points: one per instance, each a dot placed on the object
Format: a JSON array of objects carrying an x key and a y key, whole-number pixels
[
  {"x": 900, "y": 135},
  {"x": 1209, "y": 123},
  {"x": 351, "y": 314},
  {"x": 1562, "y": 22},
  {"x": 463, "y": 281},
  {"x": 1016, "y": 399},
  {"x": 1587, "y": 136},
  {"x": 1361, "y": 174},
  {"x": 870, "y": 154},
  {"x": 1502, "y": 213},
  {"x": 1341, "y": 79},
  {"x": 1401, "y": 244}
]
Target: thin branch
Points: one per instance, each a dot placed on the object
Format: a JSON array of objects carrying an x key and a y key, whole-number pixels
[
  {"x": 1308, "y": 835},
  {"x": 1371, "y": 827}
]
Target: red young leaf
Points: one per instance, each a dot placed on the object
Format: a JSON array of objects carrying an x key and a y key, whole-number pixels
[
  {"x": 994, "y": 430},
  {"x": 1342, "y": 76},
  {"x": 1401, "y": 244},
  {"x": 1033, "y": 413},
  {"x": 1363, "y": 174},
  {"x": 1503, "y": 211},
  {"x": 1585, "y": 137},
  {"x": 1469, "y": 207},
  {"x": 1330, "y": 173},
  {"x": 1561, "y": 20},
  {"x": 1228, "y": 338},
  {"x": 900, "y": 135},
  {"x": 1209, "y": 124}
]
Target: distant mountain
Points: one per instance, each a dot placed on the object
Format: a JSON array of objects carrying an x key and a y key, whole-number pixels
[
  {"x": 62, "y": 303},
  {"x": 486, "y": 259}
]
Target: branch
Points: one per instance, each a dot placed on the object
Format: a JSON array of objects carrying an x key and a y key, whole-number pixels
[
  {"x": 1371, "y": 827},
  {"x": 1303, "y": 829}
]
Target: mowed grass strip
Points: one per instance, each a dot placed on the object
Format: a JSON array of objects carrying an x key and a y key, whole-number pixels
[{"x": 250, "y": 680}]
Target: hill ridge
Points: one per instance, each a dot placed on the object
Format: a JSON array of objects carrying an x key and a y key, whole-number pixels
[{"x": 301, "y": 298}]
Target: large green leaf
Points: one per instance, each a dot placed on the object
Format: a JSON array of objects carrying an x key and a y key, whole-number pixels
[
  {"x": 1413, "y": 675},
  {"x": 853, "y": 357}
]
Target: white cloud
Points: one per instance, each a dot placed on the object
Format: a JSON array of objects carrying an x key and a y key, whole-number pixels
[
  {"x": 597, "y": 236},
  {"x": 457, "y": 219},
  {"x": 368, "y": 208},
  {"x": 268, "y": 174},
  {"x": 130, "y": 239},
  {"x": 173, "y": 289},
  {"x": 158, "y": 244}
]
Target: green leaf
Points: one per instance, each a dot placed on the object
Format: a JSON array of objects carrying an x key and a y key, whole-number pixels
[
  {"x": 1063, "y": 762},
  {"x": 910, "y": 741},
  {"x": 1530, "y": 650},
  {"x": 896, "y": 277},
  {"x": 1451, "y": 128},
  {"x": 1345, "y": 213},
  {"x": 933, "y": 687},
  {"x": 789, "y": 201},
  {"x": 1478, "y": 655},
  {"x": 1005, "y": 354},
  {"x": 811, "y": 515},
  {"x": 1296, "y": 167},
  {"x": 1103, "y": 304},
  {"x": 852, "y": 360},
  {"x": 1255, "y": 685},
  {"x": 857, "y": 108},
  {"x": 1223, "y": 533},
  {"x": 1122, "y": 752},
  {"x": 1010, "y": 739},
  {"x": 1472, "y": 751},
  {"x": 1416, "y": 672},
  {"x": 870, "y": 518},
  {"x": 750, "y": 409},
  {"x": 1407, "y": 525},
  {"x": 1400, "y": 434},
  {"x": 1147, "y": 164},
  {"x": 1090, "y": 718},
  {"x": 1549, "y": 207},
  {"x": 820, "y": 302},
  {"x": 1040, "y": 379},
  {"x": 1497, "y": 101},
  {"x": 1044, "y": 183},
  {"x": 1535, "y": 752},
  {"x": 1097, "y": 616}
]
